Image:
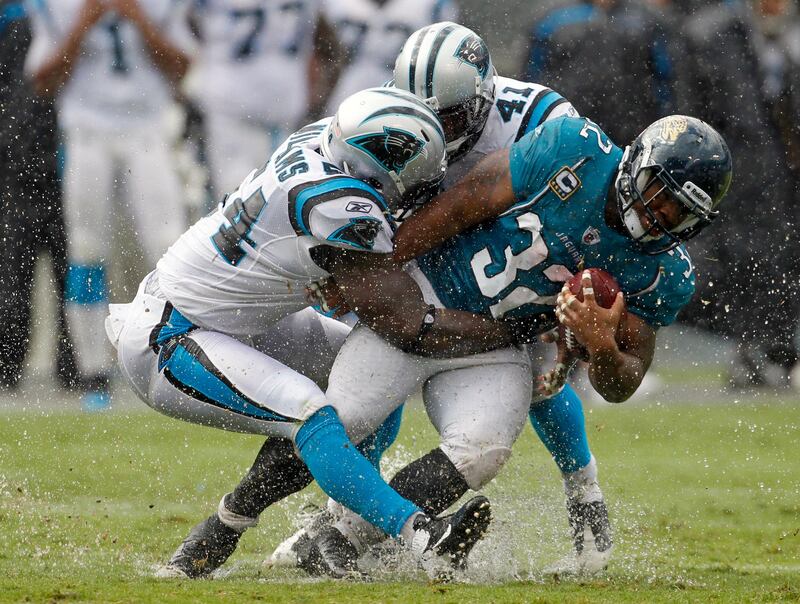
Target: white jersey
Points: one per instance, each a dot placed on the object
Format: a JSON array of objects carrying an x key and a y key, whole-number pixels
[
  {"x": 373, "y": 34},
  {"x": 519, "y": 107},
  {"x": 245, "y": 266},
  {"x": 254, "y": 58},
  {"x": 114, "y": 84}
]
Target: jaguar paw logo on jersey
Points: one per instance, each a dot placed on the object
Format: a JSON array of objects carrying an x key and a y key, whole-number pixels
[
  {"x": 359, "y": 233},
  {"x": 673, "y": 127},
  {"x": 564, "y": 183},
  {"x": 473, "y": 51},
  {"x": 393, "y": 148}
]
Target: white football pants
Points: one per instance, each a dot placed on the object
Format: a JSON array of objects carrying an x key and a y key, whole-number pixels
[
  {"x": 478, "y": 404},
  {"x": 266, "y": 384},
  {"x": 99, "y": 168}
]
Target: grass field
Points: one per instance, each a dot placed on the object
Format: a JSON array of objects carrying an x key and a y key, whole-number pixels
[{"x": 705, "y": 501}]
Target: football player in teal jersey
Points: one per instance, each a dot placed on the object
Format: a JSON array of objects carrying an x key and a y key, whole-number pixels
[
  {"x": 562, "y": 198},
  {"x": 565, "y": 197}
]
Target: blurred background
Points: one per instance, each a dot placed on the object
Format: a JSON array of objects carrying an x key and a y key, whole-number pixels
[{"x": 122, "y": 121}]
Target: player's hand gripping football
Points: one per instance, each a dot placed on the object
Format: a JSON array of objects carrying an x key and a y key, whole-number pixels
[{"x": 593, "y": 326}]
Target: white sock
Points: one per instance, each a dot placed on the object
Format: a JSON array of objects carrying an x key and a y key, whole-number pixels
[
  {"x": 582, "y": 484},
  {"x": 237, "y": 522},
  {"x": 407, "y": 532},
  {"x": 358, "y": 531}
]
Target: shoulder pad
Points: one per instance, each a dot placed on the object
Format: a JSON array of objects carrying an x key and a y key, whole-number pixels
[{"x": 343, "y": 212}]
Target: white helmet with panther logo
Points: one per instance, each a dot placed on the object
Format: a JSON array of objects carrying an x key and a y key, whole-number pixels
[
  {"x": 391, "y": 139},
  {"x": 449, "y": 67}
]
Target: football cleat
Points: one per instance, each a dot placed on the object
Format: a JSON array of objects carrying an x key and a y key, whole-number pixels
[
  {"x": 203, "y": 551},
  {"x": 291, "y": 551},
  {"x": 330, "y": 553},
  {"x": 450, "y": 538},
  {"x": 591, "y": 538}
]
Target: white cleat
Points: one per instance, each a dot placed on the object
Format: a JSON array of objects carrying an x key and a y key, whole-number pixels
[
  {"x": 592, "y": 540},
  {"x": 168, "y": 571},
  {"x": 291, "y": 551},
  {"x": 286, "y": 555},
  {"x": 589, "y": 561}
]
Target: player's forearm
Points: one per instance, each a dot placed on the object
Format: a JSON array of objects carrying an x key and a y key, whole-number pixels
[
  {"x": 484, "y": 194},
  {"x": 457, "y": 334},
  {"x": 324, "y": 68},
  {"x": 50, "y": 78},
  {"x": 450, "y": 334},
  {"x": 171, "y": 61},
  {"x": 614, "y": 374}
]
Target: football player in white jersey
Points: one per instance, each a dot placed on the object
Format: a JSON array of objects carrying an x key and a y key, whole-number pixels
[
  {"x": 216, "y": 331},
  {"x": 257, "y": 75},
  {"x": 113, "y": 65},
  {"x": 372, "y": 33},
  {"x": 449, "y": 67}
]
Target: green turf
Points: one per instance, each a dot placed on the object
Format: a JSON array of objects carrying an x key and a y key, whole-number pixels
[{"x": 704, "y": 500}]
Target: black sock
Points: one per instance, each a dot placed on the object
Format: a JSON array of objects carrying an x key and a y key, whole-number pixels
[
  {"x": 432, "y": 482},
  {"x": 276, "y": 473}
]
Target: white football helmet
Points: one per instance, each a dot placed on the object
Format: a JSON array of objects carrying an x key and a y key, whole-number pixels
[
  {"x": 449, "y": 67},
  {"x": 390, "y": 139}
]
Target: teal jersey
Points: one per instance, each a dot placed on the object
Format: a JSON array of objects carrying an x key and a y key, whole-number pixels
[{"x": 515, "y": 265}]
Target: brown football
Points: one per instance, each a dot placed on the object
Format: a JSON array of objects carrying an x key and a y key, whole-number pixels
[{"x": 604, "y": 284}]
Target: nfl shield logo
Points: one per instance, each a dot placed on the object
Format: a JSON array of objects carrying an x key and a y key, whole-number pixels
[{"x": 591, "y": 236}]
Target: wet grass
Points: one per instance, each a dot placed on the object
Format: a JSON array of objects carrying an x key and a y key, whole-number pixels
[{"x": 705, "y": 501}]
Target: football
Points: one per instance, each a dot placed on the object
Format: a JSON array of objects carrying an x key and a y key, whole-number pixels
[{"x": 605, "y": 286}]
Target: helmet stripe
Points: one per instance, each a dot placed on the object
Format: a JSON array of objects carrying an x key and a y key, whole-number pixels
[
  {"x": 437, "y": 45},
  {"x": 412, "y": 67}
]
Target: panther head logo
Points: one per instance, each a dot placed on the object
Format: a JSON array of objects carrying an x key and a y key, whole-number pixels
[
  {"x": 393, "y": 148},
  {"x": 473, "y": 51}
]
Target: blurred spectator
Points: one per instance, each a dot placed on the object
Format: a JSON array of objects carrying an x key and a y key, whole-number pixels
[
  {"x": 112, "y": 66},
  {"x": 30, "y": 202},
  {"x": 613, "y": 58},
  {"x": 372, "y": 33},
  {"x": 743, "y": 80},
  {"x": 263, "y": 67}
]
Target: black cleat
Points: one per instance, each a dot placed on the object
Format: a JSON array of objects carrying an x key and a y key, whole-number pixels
[
  {"x": 331, "y": 554},
  {"x": 203, "y": 551},
  {"x": 452, "y": 537}
]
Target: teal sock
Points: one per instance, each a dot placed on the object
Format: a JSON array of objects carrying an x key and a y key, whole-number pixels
[
  {"x": 346, "y": 475},
  {"x": 560, "y": 424}
]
